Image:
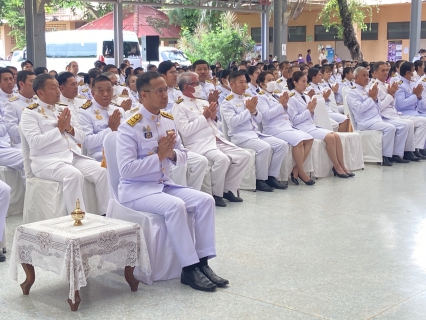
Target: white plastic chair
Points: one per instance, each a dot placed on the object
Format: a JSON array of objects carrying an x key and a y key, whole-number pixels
[
  {"x": 371, "y": 139},
  {"x": 14, "y": 179},
  {"x": 249, "y": 180},
  {"x": 163, "y": 261},
  {"x": 43, "y": 198}
]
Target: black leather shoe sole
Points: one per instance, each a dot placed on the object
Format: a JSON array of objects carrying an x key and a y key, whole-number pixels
[
  {"x": 193, "y": 286},
  {"x": 232, "y": 198},
  {"x": 219, "y": 201}
]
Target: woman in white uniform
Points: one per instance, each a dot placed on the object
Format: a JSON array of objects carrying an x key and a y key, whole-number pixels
[
  {"x": 347, "y": 77},
  {"x": 253, "y": 88},
  {"x": 314, "y": 80},
  {"x": 301, "y": 111},
  {"x": 276, "y": 122}
]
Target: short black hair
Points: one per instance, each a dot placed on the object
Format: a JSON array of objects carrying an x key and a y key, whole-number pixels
[
  {"x": 199, "y": 62},
  {"x": 364, "y": 64},
  {"x": 223, "y": 74},
  {"x": 108, "y": 67},
  {"x": 235, "y": 74},
  {"x": 4, "y": 70},
  {"x": 99, "y": 64},
  {"x": 405, "y": 67},
  {"x": 63, "y": 77},
  {"x": 144, "y": 80},
  {"x": 312, "y": 73},
  {"x": 377, "y": 65},
  {"x": 398, "y": 63},
  {"x": 262, "y": 76},
  {"x": 295, "y": 77},
  {"x": 22, "y": 76},
  {"x": 165, "y": 66},
  {"x": 12, "y": 67},
  {"x": 151, "y": 66},
  {"x": 40, "y": 81},
  {"x": 40, "y": 70},
  {"x": 100, "y": 78},
  {"x": 23, "y": 63},
  {"x": 94, "y": 72},
  {"x": 418, "y": 64},
  {"x": 136, "y": 70},
  {"x": 123, "y": 65}
]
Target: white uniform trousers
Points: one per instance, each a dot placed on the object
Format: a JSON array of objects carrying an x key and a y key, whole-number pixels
[
  {"x": 174, "y": 203},
  {"x": 11, "y": 157},
  {"x": 192, "y": 173},
  {"x": 72, "y": 178},
  {"x": 388, "y": 137},
  {"x": 403, "y": 129},
  {"x": 4, "y": 206},
  {"x": 419, "y": 131},
  {"x": 267, "y": 148},
  {"x": 228, "y": 169}
]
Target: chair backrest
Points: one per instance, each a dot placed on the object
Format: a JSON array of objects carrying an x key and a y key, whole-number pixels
[
  {"x": 322, "y": 119},
  {"x": 110, "y": 150},
  {"x": 333, "y": 103},
  {"x": 26, "y": 155},
  {"x": 345, "y": 90},
  {"x": 349, "y": 112}
]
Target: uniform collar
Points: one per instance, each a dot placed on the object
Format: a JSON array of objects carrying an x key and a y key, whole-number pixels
[
  {"x": 64, "y": 99},
  {"x": 4, "y": 94},
  {"x": 50, "y": 107},
  {"x": 238, "y": 96},
  {"x": 99, "y": 106},
  {"x": 149, "y": 116},
  {"x": 26, "y": 100},
  {"x": 405, "y": 80},
  {"x": 186, "y": 98}
]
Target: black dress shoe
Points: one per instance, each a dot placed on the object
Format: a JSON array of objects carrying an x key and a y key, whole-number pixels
[
  {"x": 340, "y": 175},
  {"x": 262, "y": 186},
  {"x": 274, "y": 183},
  {"x": 2, "y": 257},
  {"x": 422, "y": 151},
  {"x": 310, "y": 182},
  {"x": 213, "y": 277},
  {"x": 219, "y": 201},
  {"x": 398, "y": 159},
  {"x": 231, "y": 197},
  {"x": 197, "y": 280},
  {"x": 419, "y": 155},
  {"x": 350, "y": 174},
  {"x": 295, "y": 181},
  {"x": 408, "y": 155},
  {"x": 385, "y": 162}
]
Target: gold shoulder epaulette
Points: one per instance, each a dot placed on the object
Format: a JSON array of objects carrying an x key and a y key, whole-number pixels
[
  {"x": 394, "y": 76},
  {"x": 62, "y": 104},
  {"x": 230, "y": 97},
  {"x": 261, "y": 92},
  {"x": 81, "y": 97},
  {"x": 279, "y": 80},
  {"x": 86, "y": 105},
  {"x": 424, "y": 79},
  {"x": 353, "y": 87},
  {"x": 246, "y": 95},
  {"x": 179, "y": 100},
  {"x": 209, "y": 81},
  {"x": 343, "y": 80},
  {"x": 123, "y": 85},
  {"x": 85, "y": 90},
  {"x": 32, "y": 106},
  {"x": 277, "y": 91},
  {"x": 13, "y": 98},
  {"x": 400, "y": 82},
  {"x": 291, "y": 94},
  {"x": 135, "y": 119},
  {"x": 134, "y": 110},
  {"x": 166, "y": 115},
  {"x": 177, "y": 88}
]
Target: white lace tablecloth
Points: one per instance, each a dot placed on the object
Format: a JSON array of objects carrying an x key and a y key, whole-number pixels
[{"x": 77, "y": 252}]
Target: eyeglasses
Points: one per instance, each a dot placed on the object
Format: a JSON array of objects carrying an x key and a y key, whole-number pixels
[
  {"x": 159, "y": 92},
  {"x": 194, "y": 84}
]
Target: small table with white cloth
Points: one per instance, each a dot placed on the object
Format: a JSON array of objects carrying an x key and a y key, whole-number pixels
[{"x": 77, "y": 252}]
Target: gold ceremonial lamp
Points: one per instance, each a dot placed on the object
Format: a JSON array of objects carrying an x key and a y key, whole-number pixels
[{"x": 77, "y": 214}]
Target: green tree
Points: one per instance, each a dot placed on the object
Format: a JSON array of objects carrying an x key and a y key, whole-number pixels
[
  {"x": 227, "y": 41},
  {"x": 12, "y": 13},
  {"x": 343, "y": 14}
]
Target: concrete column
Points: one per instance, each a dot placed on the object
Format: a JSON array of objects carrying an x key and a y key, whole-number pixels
[
  {"x": 265, "y": 32},
  {"x": 118, "y": 33},
  {"x": 415, "y": 25},
  {"x": 280, "y": 28},
  {"x": 35, "y": 26}
]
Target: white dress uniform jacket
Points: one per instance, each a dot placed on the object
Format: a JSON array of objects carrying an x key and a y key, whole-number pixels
[
  {"x": 208, "y": 87},
  {"x": 406, "y": 101},
  {"x": 396, "y": 77},
  {"x": 12, "y": 116},
  {"x": 282, "y": 84},
  {"x": 319, "y": 89},
  {"x": 93, "y": 120},
  {"x": 73, "y": 104},
  {"x": 145, "y": 185},
  {"x": 173, "y": 94},
  {"x": 4, "y": 206}
]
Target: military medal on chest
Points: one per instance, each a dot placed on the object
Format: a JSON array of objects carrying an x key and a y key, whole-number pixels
[
  {"x": 170, "y": 131},
  {"x": 41, "y": 110},
  {"x": 148, "y": 133},
  {"x": 98, "y": 114}
]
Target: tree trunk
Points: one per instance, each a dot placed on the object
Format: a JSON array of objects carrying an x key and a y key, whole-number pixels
[
  {"x": 136, "y": 19},
  {"x": 349, "y": 38}
]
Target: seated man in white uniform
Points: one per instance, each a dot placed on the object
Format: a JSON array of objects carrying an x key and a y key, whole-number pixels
[
  {"x": 69, "y": 93},
  {"x": 120, "y": 95},
  {"x": 417, "y": 133},
  {"x": 396, "y": 77},
  {"x": 4, "y": 206},
  {"x": 14, "y": 106},
  {"x": 191, "y": 173},
  {"x": 208, "y": 88},
  {"x": 240, "y": 115},
  {"x": 98, "y": 117},
  {"x": 53, "y": 141},
  {"x": 365, "y": 108},
  {"x": 144, "y": 157},
  {"x": 196, "y": 122}
]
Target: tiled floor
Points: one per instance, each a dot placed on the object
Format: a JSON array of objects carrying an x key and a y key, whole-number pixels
[{"x": 343, "y": 249}]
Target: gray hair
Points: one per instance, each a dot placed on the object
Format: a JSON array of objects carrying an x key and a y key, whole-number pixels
[
  {"x": 185, "y": 78},
  {"x": 109, "y": 75},
  {"x": 358, "y": 70}
]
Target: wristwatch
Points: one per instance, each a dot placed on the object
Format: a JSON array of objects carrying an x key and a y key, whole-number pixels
[{"x": 70, "y": 130}]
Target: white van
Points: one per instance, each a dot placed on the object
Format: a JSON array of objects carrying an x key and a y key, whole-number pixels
[
  {"x": 170, "y": 53},
  {"x": 85, "y": 47}
]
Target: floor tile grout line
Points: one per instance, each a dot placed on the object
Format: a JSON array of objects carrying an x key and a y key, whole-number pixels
[
  {"x": 402, "y": 301},
  {"x": 273, "y": 304}
]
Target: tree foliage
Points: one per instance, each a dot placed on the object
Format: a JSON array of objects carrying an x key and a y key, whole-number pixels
[
  {"x": 342, "y": 15},
  {"x": 12, "y": 12},
  {"x": 225, "y": 42}
]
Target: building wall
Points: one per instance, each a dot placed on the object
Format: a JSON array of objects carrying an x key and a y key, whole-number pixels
[{"x": 373, "y": 50}]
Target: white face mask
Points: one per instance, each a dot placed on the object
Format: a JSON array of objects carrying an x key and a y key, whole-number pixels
[
  {"x": 341, "y": 70},
  {"x": 334, "y": 71},
  {"x": 271, "y": 86},
  {"x": 198, "y": 91}
]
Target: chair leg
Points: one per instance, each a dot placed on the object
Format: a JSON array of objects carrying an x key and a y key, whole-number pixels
[
  {"x": 4, "y": 250},
  {"x": 238, "y": 192}
]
